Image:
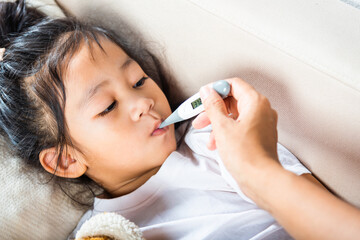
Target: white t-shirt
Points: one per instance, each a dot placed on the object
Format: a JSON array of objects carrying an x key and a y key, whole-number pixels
[{"x": 193, "y": 196}]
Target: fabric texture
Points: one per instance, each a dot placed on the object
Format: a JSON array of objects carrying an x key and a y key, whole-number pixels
[
  {"x": 302, "y": 55},
  {"x": 354, "y": 3},
  {"x": 31, "y": 208},
  {"x": 318, "y": 112},
  {"x": 193, "y": 196},
  {"x": 111, "y": 225}
]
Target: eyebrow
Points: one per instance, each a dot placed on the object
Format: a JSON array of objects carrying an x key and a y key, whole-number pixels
[{"x": 90, "y": 93}]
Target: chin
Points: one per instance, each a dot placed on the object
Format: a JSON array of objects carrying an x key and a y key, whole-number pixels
[
  {"x": 170, "y": 145},
  {"x": 172, "y": 141}
]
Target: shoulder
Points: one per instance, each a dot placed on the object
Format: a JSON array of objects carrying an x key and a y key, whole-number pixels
[{"x": 196, "y": 140}]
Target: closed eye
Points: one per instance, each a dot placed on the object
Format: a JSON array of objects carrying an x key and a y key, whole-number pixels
[
  {"x": 109, "y": 109},
  {"x": 113, "y": 104},
  {"x": 140, "y": 82}
]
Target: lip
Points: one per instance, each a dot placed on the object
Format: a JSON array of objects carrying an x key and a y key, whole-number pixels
[{"x": 158, "y": 131}]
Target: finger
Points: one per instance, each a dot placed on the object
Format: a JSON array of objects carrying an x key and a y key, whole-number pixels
[
  {"x": 231, "y": 106},
  {"x": 214, "y": 105},
  {"x": 211, "y": 145},
  {"x": 275, "y": 115},
  {"x": 239, "y": 88},
  {"x": 201, "y": 121}
]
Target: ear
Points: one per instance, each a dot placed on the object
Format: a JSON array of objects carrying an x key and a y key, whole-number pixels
[{"x": 67, "y": 167}]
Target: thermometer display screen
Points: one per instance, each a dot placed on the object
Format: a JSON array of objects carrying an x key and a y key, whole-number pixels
[{"x": 196, "y": 103}]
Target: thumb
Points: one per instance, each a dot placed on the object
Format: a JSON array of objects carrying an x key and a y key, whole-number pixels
[{"x": 214, "y": 105}]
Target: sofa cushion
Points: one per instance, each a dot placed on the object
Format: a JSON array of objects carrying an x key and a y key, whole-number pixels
[
  {"x": 30, "y": 207},
  {"x": 302, "y": 55}
]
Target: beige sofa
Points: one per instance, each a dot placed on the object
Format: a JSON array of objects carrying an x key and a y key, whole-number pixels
[{"x": 303, "y": 55}]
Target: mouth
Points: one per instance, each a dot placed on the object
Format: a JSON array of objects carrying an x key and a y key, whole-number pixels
[{"x": 159, "y": 131}]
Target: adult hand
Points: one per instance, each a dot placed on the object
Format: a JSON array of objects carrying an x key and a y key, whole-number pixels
[
  {"x": 247, "y": 146},
  {"x": 247, "y": 140}
]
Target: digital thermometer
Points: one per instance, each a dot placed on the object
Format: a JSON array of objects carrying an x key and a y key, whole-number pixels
[{"x": 193, "y": 105}]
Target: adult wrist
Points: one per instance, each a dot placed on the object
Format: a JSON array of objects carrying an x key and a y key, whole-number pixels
[{"x": 258, "y": 179}]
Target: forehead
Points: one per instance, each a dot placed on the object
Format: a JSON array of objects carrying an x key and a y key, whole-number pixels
[
  {"x": 92, "y": 53},
  {"x": 91, "y": 60},
  {"x": 90, "y": 65}
]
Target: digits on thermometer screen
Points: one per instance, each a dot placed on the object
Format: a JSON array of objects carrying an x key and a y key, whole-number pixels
[
  {"x": 193, "y": 105},
  {"x": 196, "y": 103}
]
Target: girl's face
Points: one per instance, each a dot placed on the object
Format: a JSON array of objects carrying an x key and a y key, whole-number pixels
[{"x": 113, "y": 110}]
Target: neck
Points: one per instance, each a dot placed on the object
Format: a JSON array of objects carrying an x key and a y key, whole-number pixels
[{"x": 130, "y": 185}]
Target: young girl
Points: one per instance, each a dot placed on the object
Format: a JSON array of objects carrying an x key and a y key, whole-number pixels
[{"x": 85, "y": 104}]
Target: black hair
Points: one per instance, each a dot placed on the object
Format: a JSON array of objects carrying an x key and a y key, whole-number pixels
[{"x": 32, "y": 92}]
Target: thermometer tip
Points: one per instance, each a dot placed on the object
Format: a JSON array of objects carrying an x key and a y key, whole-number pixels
[{"x": 163, "y": 124}]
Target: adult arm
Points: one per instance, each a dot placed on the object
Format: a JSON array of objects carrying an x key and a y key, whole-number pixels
[
  {"x": 247, "y": 146},
  {"x": 304, "y": 209}
]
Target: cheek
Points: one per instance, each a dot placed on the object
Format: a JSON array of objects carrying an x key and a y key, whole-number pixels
[
  {"x": 113, "y": 145},
  {"x": 164, "y": 104}
]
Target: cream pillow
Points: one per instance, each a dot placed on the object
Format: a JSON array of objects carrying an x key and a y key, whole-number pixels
[{"x": 29, "y": 208}]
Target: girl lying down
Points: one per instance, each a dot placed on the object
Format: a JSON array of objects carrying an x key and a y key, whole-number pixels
[{"x": 85, "y": 105}]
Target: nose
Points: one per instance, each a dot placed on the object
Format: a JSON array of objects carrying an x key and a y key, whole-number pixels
[{"x": 140, "y": 107}]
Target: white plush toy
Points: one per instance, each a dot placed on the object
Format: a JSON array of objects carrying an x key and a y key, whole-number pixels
[{"x": 106, "y": 226}]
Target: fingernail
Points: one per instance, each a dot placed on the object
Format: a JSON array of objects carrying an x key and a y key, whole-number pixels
[{"x": 204, "y": 92}]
